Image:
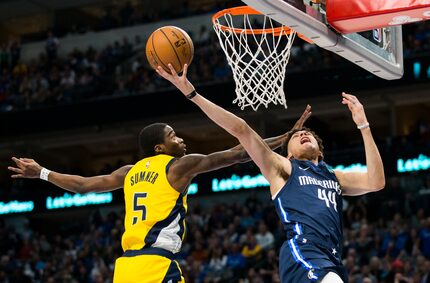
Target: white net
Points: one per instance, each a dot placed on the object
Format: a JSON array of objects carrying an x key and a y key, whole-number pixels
[{"x": 258, "y": 56}]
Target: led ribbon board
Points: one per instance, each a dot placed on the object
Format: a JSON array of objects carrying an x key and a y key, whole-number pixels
[
  {"x": 77, "y": 200},
  {"x": 15, "y": 206},
  {"x": 422, "y": 162}
]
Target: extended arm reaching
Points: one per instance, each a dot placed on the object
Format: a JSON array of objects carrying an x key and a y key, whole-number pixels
[
  {"x": 30, "y": 169},
  {"x": 355, "y": 183},
  {"x": 270, "y": 163},
  {"x": 190, "y": 165},
  {"x": 193, "y": 164}
]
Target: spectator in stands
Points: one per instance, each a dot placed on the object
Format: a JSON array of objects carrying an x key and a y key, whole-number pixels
[
  {"x": 51, "y": 47},
  {"x": 425, "y": 272},
  {"x": 269, "y": 266},
  {"x": 252, "y": 250},
  {"x": 4, "y": 57},
  {"x": 216, "y": 270},
  {"x": 15, "y": 52},
  {"x": 424, "y": 236},
  {"x": 264, "y": 238},
  {"x": 246, "y": 221},
  {"x": 235, "y": 259}
]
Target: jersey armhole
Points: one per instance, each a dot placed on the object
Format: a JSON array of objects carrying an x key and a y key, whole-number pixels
[
  {"x": 170, "y": 164},
  {"x": 185, "y": 191},
  {"x": 287, "y": 182}
]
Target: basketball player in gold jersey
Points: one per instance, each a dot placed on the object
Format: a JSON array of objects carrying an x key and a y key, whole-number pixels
[{"x": 155, "y": 191}]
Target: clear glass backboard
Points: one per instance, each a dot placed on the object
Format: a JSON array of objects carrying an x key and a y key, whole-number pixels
[{"x": 378, "y": 51}]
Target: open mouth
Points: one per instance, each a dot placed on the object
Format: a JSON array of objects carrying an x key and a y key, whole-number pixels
[{"x": 304, "y": 140}]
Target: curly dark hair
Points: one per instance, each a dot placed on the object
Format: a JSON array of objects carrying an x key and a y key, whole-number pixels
[{"x": 284, "y": 146}]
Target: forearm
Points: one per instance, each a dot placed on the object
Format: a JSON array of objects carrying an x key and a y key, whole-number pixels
[
  {"x": 71, "y": 183},
  {"x": 375, "y": 167},
  {"x": 231, "y": 123},
  {"x": 30, "y": 169},
  {"x": 242, "y": 156},
  {"x": 275, "y": 142}
]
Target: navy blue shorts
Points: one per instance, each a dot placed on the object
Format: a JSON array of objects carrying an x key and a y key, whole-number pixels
[{"x": 302, "y": 261}]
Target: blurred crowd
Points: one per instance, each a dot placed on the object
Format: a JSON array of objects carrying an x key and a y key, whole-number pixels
[
  {"x": 121, "y": 69},
  {"x": 51, "y": 80},
  {"x": 117, "y": 70},
  {"x": 119, "y": 14},
  {"x": 386, "y": 240}
]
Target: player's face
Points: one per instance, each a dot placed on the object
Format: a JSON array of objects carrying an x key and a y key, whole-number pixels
[
  {"x": 174, "y": 145},
  {"x": 303, "y": 145}
]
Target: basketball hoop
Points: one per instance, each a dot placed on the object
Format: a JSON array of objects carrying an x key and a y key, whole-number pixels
[{"x": 257, "y": 55}]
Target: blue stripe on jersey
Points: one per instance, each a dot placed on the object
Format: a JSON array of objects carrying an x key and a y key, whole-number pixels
[
  {"x": 313, "y": 199},
  {"x": 152, "y": 235},
  {"x": 298, "y": 228},
  {"x": 298, "y": 257},
  {"x": 173, "y": 273},
  {"x": 170, "y": 164},
  {"x": 149, "y": 251},
  {"x": 283, "y": 211}
]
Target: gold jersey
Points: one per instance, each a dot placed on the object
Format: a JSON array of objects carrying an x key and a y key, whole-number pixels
[{"x": 154, "y": 210}]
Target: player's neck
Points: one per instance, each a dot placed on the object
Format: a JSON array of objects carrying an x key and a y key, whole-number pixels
[{"x": 314, "y": 161}]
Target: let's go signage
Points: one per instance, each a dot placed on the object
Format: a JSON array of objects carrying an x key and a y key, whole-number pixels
[{"x": 216, "y": 185}]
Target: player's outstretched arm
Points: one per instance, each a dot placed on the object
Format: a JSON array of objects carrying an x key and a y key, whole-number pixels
[
  {"x": 30, "y": 169},
  {"x": 193, "y": 164},
  {"x": 354, "y": 183},
  {"x": 272, "y": 165}
]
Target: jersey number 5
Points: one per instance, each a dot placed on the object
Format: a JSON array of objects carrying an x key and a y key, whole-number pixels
[{"x": 137, "y": 207}]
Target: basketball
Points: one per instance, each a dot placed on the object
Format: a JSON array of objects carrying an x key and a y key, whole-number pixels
[{"x": 169, "y": 44}]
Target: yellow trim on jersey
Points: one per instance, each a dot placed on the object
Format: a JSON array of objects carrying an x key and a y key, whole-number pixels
[
  {"x": 147, "y": 269},
  {"x": 154, "y": 210}
]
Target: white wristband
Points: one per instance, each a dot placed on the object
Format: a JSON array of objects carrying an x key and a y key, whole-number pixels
[
  {"x": 44, "y": 173},
  {"x": 364, "y": 126}
]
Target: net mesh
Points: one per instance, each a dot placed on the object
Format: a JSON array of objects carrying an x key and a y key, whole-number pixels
[{"x": 258, "y": 59}]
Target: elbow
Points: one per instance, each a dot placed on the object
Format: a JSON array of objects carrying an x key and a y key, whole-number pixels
[
  {"x": 81, "y": 187},
  {"x": 84, "y": 190},
  {"x": 376, "y": 181},
  {"x": 377, "y": 186},
  {"x": 80, "y": 190}
]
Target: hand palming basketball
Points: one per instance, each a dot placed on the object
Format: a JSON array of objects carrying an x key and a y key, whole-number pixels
[
  {"x": 169, "y": 45},
  {"x": 181, "y": 82}
]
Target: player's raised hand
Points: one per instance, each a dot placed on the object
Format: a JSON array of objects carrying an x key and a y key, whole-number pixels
[
  {"x": 25, "y": 168},
  {"x": 181, "y": 82},
  {"x": 356, "y": 109},
  {"x": 305, "y": 116}
]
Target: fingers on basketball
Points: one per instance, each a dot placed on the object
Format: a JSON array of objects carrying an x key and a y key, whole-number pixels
[
  {"x": 169, "y": 45},
  {"x": 172, "y": 70}
]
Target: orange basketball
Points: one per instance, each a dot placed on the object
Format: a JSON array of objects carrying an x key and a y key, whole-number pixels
[{"x": 172, "y": 45}]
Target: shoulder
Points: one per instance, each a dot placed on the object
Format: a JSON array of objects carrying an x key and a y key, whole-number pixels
[
  {"x": 184, "y": 165},
  {"x": 121, "y": 173},
  {"x": 188, "y": 160},
  {"x": 124, "y": 169}
]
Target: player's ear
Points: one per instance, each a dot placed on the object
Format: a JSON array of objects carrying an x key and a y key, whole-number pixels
[
  {"x": 320, "y": 155},
  {"x": 159, "y": 148}
]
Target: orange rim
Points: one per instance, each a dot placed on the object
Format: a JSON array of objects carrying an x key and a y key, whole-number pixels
[{"x": 246, "y": 10}]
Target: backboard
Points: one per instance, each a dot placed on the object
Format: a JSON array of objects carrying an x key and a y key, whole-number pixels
[{"x": 379, "y": 51}]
